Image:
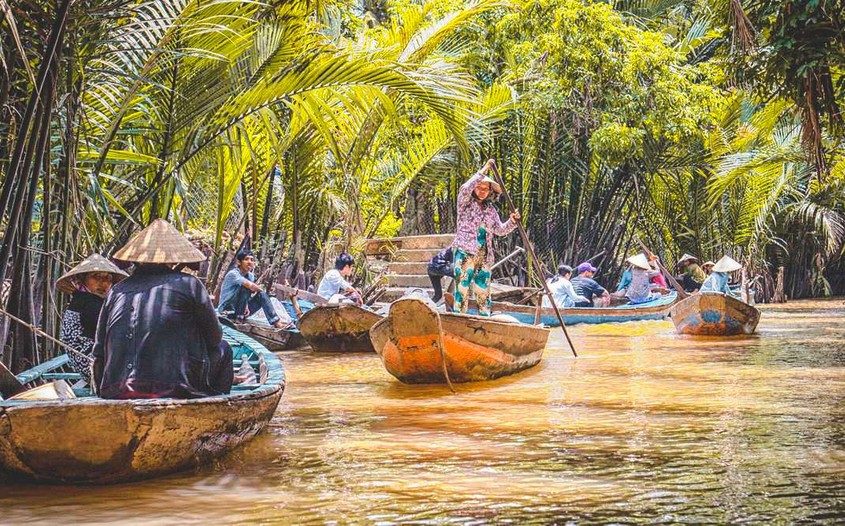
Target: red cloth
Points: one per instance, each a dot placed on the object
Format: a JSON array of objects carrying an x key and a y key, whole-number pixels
[{"x": 659, "y": 280}]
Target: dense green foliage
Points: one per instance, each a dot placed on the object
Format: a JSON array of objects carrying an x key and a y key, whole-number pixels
[{"x": 696, "y": 127}]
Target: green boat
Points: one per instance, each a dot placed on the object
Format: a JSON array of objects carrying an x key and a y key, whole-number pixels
[{"x": 89, "y": 440}]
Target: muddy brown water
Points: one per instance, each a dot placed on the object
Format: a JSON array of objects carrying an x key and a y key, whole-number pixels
[{"x": 644, "y": 427}]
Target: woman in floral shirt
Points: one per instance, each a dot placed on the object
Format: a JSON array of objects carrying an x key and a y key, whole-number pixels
[
  {"x": 473, "y": 244},
  {"x": 87, "y": 283}
]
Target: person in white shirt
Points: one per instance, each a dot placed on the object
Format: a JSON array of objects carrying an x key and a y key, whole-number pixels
[
  {"x": 562, "y": 291},
  {"x": 334, "y": 282}
]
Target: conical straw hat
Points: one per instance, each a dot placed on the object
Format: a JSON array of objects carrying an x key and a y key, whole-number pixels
[
  {"x": 494, "y": 186},
  {"x": 707, "y": 264},
  {"x": 159, "y": 243},
  {"x": 726, "y": 264},
  {"x": 687, "y": 257},
  {"x": 639, "y": 261},
  {"x": 93, "y": 263}
]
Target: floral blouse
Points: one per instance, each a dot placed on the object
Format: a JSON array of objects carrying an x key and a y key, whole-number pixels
[
  {"x": 472, "y": 215},
  {"x": 79, "y": 326}
]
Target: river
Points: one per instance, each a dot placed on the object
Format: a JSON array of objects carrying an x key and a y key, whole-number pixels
[{"x": 645, "y": 426}]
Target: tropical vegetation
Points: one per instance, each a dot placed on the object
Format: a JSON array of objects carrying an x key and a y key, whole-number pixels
[{"x": 688, "y": 126}]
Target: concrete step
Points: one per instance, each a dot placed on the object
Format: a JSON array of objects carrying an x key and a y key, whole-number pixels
[
  {"x": 405, "y": 267},
  {"x": 391, "y": 244},
  {"x": 408, "y": 280},
  {"x": 438, "y": 241},
  {"x": 416, "y": 255}
]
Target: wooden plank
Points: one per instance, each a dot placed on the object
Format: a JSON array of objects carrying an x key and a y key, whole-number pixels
[{"x": 36, "y": 372}]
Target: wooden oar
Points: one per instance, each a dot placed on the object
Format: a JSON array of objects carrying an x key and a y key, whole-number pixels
[
  {"x": 302, "y": 294},
  {"x": 681, "y": 292},
  {"x": 516, "y": 251},
  {"x": 590, "y": 260},
  {"x": 534, "y": 260}
]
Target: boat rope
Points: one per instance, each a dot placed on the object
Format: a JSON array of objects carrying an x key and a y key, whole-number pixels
[
  {"x": 442, "y": 352},
  {"x": 39, "y": 332}
]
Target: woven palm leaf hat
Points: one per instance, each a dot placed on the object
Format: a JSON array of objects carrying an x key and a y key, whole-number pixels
[
  {"x": 726, "y": 264},
  {"x": 159, "y": 243},
  {"x": 639, "y": 261},
  {"x": 687, "y": 257},
  {"x": 494, "y": 186},
  {"x": 93, "y": 263},
  {"x": 707, "y": 264}
]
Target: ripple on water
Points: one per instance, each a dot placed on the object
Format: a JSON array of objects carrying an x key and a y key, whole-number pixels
[{"x": 644, "y": 427}]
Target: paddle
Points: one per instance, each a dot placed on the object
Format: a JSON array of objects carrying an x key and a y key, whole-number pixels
[
  {"x": 303, "y": 294},
  {"x": 534, "y": 260},
  {"x": 516, "y": 251},
  {"x": 681, "y": 292}
]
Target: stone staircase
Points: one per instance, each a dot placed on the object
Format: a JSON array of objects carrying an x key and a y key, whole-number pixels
[{"x": 404, "y": 261}]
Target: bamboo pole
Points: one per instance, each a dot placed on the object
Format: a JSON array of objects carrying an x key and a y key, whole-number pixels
[
  {"x": 534, "y": 261},
  {"x": 39, "y": 332}
]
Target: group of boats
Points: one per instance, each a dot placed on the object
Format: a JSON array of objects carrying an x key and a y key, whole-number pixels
[{"x": 84, "y": 439}]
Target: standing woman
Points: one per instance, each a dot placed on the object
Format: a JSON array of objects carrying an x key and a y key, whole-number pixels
[
  {"x": 478, "y": 221},
  {"x": 87, "y": 283}
]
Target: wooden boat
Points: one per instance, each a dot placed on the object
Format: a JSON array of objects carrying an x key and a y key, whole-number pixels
[
  {"x": 338, "y": 328},
  {"x": 510, "y": 293},
  {"x": 414, "y": 341},
  {"x": 653, "y": 310},
  {"x": 94, "y": 441},
  {"x": 274, "y": 339},
  {"x": 714, "y": 314}
]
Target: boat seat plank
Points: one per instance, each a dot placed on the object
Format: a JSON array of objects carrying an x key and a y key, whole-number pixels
[
  {"x": 61, "y": 376},
  {"x": 30, "y": 375}
]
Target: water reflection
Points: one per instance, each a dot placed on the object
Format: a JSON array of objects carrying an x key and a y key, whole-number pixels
[{"x": 645, "y": 426}]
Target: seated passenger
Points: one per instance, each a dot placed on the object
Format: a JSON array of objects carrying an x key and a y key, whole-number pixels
[
  {"x": 158, "y": 334},
  {"x": 624, "y": 282},
  {"x": 693, "y": 276},
  {"x": 718, "y": 280},
  {"x": 562, "y": 291},
  {"x": 640, "y": 288},
  {"x": 658, "y": 279},
  {"x": 707, "y": 267},
  {"x": 241, "y": 295},
  {"x": 334, "y": 282},
  {"x": 88, "y": 284},
  {"x": 586, "y": 286}
]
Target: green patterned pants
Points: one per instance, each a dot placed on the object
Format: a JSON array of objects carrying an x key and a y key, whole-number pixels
[{"x": 471, "y": 273}]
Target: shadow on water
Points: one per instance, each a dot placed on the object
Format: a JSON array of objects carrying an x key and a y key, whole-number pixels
[{"x": 645, "y": 426}]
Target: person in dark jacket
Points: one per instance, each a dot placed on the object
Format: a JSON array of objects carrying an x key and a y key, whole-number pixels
[
  {"x": 158, "y": 334},
  {"x": 87, "y": 283},
  {"x": 439, "y": 267}
]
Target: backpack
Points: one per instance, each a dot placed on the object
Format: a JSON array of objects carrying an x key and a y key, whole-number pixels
[{"x": 442, "y": 264}]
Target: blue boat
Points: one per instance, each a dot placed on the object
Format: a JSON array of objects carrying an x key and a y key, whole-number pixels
[
  {"x": 657, "y": 309},
  {"x": 714, "y": 314}
]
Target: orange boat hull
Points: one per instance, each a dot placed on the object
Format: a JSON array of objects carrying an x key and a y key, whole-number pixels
[{"x": 414, "y": 341}]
